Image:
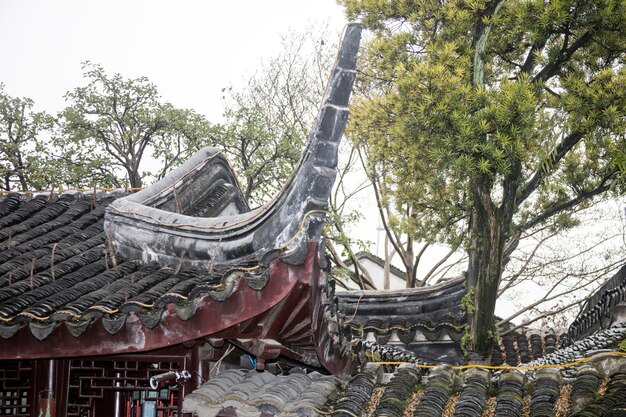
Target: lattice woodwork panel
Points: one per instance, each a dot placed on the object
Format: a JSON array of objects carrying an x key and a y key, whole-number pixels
[
  {"x": 16, "y": 379},
  {"x": 96, "y": 384}
]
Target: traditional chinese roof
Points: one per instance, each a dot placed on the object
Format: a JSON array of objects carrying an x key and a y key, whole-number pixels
[
  {"x": 185, "y": 258},
  {"x": 595, "y": 386},
  {"x": 152, "y": 223},
  {"x": 431, "y": 310},
  {"x": 94, "y": 273},
  {"x": 428, "y": 321},
  {"x": 55, "y": 268}
]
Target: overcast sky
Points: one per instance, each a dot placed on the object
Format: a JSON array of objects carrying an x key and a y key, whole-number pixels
[{"x": 190, "y": 49}]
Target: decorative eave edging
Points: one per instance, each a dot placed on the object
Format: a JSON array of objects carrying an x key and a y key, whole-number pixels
[
  {"x": 432, "y": 311},
  {"x": 293, "y": 294},
  {"x": 209, "y": 317},
  {"x": 77, "y": 321}
]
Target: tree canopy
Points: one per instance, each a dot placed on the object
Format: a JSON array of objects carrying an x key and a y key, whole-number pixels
[
  {"x": 20, "y": 142},
  {"x": 116, "y": 122},
  {"x": 485, "y": 119}
]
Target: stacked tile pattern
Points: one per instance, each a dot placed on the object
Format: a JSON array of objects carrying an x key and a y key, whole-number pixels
[
  {"x": 255, "y": 393},
  {"x": 398, "y": 391},
  {"x": 588, "y": 380},
  {"x": 474, "y": 393},
  {"x": 436, "y": 393},
  {"x": 546, "y": 393},
  {"x": 613, "y": 402},
  {"x": 598, "y": 342},
  {"x": 55, "y": 268},
  {"x": 518, "y": 348},
  {"x": 598, "y": 311},
  {"x": 440, "y": 391},
  {"x": 509, "y": 401},
  {"x": 357, "y": 393}
]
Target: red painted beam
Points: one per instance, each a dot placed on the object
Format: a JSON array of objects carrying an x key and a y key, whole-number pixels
[
  {"x": 288, "y": 311},
  {"x": 211, "y": 317}
]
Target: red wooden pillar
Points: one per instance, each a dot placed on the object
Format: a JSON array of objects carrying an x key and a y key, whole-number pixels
[{"x": 198, "y": 366}]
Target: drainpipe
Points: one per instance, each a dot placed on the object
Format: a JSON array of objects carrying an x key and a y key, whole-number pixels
[
  {"x": 117, "y": 405},
  {"x": 46, "y": 404}
]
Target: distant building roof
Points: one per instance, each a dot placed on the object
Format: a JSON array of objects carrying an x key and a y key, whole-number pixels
[
  {"x": 602, "y": 308},
  {"x": 378, "y": 261}
]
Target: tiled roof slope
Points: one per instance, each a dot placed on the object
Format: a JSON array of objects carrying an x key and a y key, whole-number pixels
[
  {"x": 601, "y": 341},
  {"x": 517, "y": 348},
  {"x": 55, "y": 267},
  {"x": 431, "y": 311},
  {"x": 143, "y": 264},
  {"x": 409, "y": 390},
  {"x": 253, "y": 393}
]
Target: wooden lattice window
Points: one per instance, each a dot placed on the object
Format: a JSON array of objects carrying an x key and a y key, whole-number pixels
[
  {"x": 16, "y": 379},
  {"x": 98, "y": 386}
]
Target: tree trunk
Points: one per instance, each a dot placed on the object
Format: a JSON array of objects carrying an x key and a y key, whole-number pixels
[
  {"x": 135, "y": 179},
  {"x": 411, "y": 276},
  {"x": 23, "y": 182},
  {"x": 387, "y": 281},
  {"x": 484, "y": 271}
]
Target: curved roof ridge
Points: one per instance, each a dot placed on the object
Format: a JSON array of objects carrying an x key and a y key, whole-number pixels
[{"x": 137, "y": 228}]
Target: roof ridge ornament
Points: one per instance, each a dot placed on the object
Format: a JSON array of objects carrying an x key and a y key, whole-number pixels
[{"x": 153, "y": 225}]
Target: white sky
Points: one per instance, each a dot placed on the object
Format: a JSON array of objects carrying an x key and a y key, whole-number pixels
[{"x": 190, "y": 49}]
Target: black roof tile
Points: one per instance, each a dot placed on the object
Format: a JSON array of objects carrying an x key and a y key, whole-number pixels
[
  {"x": 261, "y": 393},
  {"x": 473, "y": 394},
  {"x": 55, "y": 267},
  {"x": 398, "y": 391},
  {"x": 547, "y": 389},
  {"x": 9, "y": 204},
  {"x": 612, "y": 403},
  {"x": 357, "y": 392},
  {"x": 513, "y": 392},
  {"x": 436, "y": 393}
]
